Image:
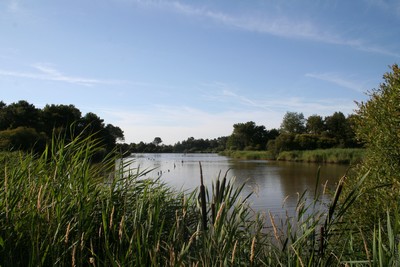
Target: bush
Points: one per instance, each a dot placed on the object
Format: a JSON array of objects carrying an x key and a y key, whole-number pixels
[{"x": 22, "y": 138}]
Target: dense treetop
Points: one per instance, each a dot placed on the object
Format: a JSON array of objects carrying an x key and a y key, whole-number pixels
[{"x": 23, "y": 126}]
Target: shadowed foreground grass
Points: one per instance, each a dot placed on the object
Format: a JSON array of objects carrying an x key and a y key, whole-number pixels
[{"x": 60, "y": 209}]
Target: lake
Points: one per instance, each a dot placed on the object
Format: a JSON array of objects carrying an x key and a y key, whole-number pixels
[{"x": 271, "y": 181}]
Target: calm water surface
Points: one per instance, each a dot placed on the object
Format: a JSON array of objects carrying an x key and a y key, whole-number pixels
[{"x": 270, "y": 181}]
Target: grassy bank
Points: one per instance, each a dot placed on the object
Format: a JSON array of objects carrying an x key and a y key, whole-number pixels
[
  {"x": 58, "y": 209},
  {"x": 247, "y": 154},
  {"x": 333, "y": 155}
]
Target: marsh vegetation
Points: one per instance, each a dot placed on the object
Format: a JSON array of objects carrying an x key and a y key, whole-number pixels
[{"x": 63, "y": 208}]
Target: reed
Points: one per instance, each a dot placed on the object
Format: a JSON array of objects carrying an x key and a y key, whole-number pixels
[
  {"x": 61, "y": 209},
  {"x": 333, "y": 155},
  {"x": 248, "y": 154}
]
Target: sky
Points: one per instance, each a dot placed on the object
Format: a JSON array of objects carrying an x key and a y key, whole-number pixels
[{"x": 180, "y": 69}]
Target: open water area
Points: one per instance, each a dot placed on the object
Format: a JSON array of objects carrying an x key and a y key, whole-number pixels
[{"x": 275, "y": 185}]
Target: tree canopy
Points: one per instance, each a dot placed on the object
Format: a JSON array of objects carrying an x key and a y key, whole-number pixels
[{"x": 23, "y": 126}]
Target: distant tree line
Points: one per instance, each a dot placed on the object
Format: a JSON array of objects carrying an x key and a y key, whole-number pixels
[
  {"x": 295, "y": 133},
  {"x": 190, "y": 145},
  {"x": 25, "y": 127}
]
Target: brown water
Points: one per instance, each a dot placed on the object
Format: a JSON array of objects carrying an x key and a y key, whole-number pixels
[{"x": 271, "y": 181}]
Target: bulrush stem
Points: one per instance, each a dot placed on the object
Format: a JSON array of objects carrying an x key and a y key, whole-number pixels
[
  {"x": 203, "y": 199},
  {"x": 219, "y": 214},
  {"x": 252, "y": 253},
  {"x": 234, "y": 252}
]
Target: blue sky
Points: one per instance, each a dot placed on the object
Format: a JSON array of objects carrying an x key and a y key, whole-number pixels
[{"x": 179, "y": 69}]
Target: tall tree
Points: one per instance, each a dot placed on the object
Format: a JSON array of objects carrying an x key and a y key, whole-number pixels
[
  {"x": 60, "y": 118},
  {"x": 336, "y": 127},
  {"x": 248, "y": 135},
  {"x": 315, "y": 124},
  {"x": 157, "y": 141},
  {"x": 21, "y": 114},
  {"x": 293, "y": 123}
]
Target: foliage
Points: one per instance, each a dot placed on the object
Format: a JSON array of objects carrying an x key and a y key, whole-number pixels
[
  {"x": 21, "y": 138},
  {"x": 59, "y": 209},
  {"x": 24, "y": 127},
  {"x": 249, "y": 136},
  {"x": 293, "y": 123},
  {"x": 190, "y": 145},
  {"x": 335, "y": 131},
  {"x": 248, "y": 154},
  {"x": 157, "y": 141},
  {"x": 378, "y": 126},
  {"x": 332, "y": 155},
  {"x": 315, "y": 124}
]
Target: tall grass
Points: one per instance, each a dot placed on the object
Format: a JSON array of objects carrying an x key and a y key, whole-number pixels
[
  {"x": 248, "y": 154},
  {"x": 333, "y": 155},
  {"x": 61, "y": 209}
]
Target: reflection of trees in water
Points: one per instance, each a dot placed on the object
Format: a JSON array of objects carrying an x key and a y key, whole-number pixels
[
  {"x": 276, "y": 181},
  {"x": 271, "y": 181}
]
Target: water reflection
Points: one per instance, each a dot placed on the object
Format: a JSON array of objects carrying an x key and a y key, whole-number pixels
[{"x": 270, "y": 181}]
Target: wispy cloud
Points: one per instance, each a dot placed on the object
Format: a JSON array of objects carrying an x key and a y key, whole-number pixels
[
  {"x": 47, "y": 72},
  {"x": 271, "y": 102},
  {"x": 336, "y": 79},
  {"x": 387, "y": 6},
  {"x": 273, "y": 25},
  {"x": 13, "y": 5},
  {"x": 175, "y": 123}
]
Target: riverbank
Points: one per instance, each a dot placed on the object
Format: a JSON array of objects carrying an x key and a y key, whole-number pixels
[
  {"x": 248, "y": 154},
  {"x": 332, "y": 155}
]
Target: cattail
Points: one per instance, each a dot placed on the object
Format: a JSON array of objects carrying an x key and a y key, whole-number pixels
[
  {"x": 203, "y": 199},
  {"x": 177, "y": 219},
  {"x": 325, "y": 185},
  {"x": 73, "y": 256},
  {"x": 67, "y": 233},
  {"x": 38, "y": 205},
  {"x": 284, "y": 201},
  {"x": 233, "y": 252},
  {"x": 111, "y": 217},
  {"x": 253, "y": 246},
  {"x": 121, "y": 225},
  {"x": 184, "y": 209},
  {"x": 273, "y": 226},
  {"x": 172, "y": 257},
  {"x": 219, "y": 214},
  {"x": 193, "y": 237},
  {"x": 82, "y": 240}
]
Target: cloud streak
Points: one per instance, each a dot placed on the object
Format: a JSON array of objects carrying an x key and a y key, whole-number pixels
[
  {"x": 177, "y": 123},
  {"x": 278, "y": 26},
  {"x": 335, "y": 79},
  {"x": 48, "y": 73}
]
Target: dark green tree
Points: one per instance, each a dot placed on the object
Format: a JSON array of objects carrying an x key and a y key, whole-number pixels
[
  {"x": 315, "y": 125},
  {"x": 248, "y": 136},
  {"x": 293, "y": 123},
  {"x": 60, "y": 118},
  {"x": 336, "y": 127},
  {"x": 157, "y": 141},
  {"x": 20, "y": 114}
]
